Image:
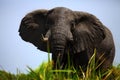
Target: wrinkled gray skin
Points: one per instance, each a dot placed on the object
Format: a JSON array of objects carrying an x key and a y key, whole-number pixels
[{"x": 71, "y": 33}]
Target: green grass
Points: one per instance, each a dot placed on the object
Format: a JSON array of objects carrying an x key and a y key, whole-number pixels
[{"x": 45, "y": 72}]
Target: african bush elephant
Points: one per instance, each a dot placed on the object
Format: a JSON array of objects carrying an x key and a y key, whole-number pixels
[{"x": 68, "y": 32}]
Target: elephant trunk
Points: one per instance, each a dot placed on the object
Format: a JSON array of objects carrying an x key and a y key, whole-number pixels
[
  {"x": 58, "y": 43},
  {"x": 58, "y": 40},
  {"x": 58, "y": 37}
]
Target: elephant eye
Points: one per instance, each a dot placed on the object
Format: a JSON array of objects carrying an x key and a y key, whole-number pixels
[{"x": 72, "y": 25}]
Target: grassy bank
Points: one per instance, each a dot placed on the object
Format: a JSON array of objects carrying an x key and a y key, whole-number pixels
[{"x": 45, "y": 72}]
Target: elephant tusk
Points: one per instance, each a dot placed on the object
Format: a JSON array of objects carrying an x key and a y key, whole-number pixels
[{"x": 44, "y": 38}]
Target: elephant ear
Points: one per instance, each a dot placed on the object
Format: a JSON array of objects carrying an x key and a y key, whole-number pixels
[
  {"x": 88, "y": 32},
  {"x": 32, "y": 28}
]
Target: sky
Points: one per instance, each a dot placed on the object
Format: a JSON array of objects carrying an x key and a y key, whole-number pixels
[{"x": 18, "y": 54}]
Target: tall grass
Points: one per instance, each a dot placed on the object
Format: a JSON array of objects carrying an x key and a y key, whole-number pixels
[{"x": 45, "y": 72}]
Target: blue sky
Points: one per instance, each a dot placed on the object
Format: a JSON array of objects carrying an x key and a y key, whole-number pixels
[{"x": 15, "y": 53}]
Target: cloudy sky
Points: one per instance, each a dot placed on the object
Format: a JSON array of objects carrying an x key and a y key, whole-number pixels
[{"x": 15, "y": 53}]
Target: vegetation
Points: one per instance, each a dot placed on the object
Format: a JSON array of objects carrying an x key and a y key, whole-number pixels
[{"x": 45, "y": 72}]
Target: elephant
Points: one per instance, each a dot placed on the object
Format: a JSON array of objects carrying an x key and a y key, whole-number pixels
[{"x": 72, "y": 36}]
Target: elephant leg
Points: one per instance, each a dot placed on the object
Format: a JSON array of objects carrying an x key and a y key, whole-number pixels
[{"x": 81, "y": 60}]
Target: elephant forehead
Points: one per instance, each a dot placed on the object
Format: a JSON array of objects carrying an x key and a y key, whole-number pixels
[
  {"x": 60, "y": 13},
  {"x": 61, "y": 10}
]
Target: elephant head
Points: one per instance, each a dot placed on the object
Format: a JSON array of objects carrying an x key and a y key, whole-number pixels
[{"x": 66, "y": 30}]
